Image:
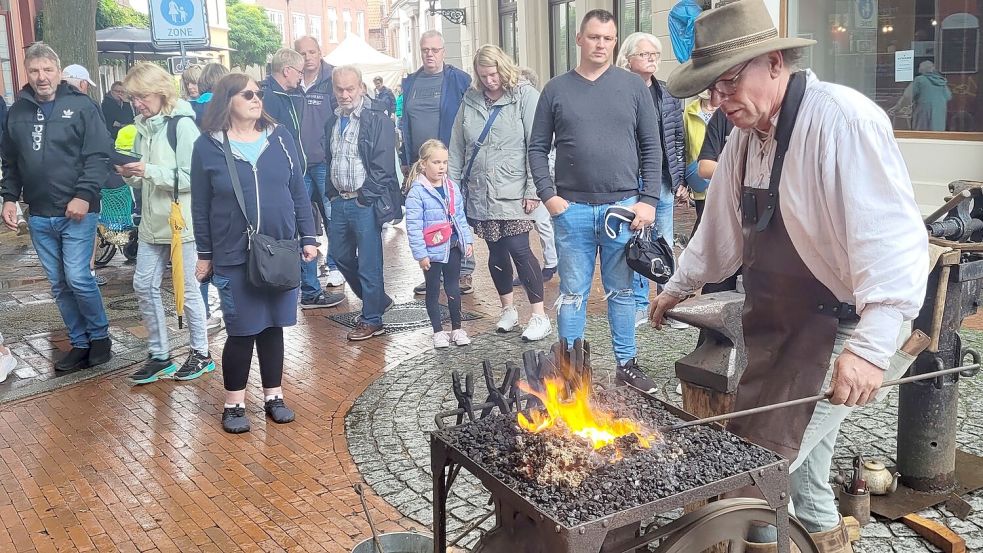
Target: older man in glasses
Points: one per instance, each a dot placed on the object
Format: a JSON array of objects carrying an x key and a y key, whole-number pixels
[
  {"x": 431, "y": 97},
  {"x": 812, "y": 198}
]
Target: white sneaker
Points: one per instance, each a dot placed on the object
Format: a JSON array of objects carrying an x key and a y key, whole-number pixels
[
  {"x": 538, "y": 328},
  {"x": 641, "y": 317},
  {"x": 441, "y": 340},
  {"x": 509, "y": 319},
  {"x": 7, "y": 365},
  {"x": 459, "y": 337},
  {"x": 678, "y": 325},
  {"x": 335, "y": 278}
]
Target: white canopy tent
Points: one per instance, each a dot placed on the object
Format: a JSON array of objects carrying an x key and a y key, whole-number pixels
[{"x": 355, "y": 51}]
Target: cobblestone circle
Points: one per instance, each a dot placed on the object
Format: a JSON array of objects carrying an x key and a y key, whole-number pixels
[{"x": 387, "y": 429}]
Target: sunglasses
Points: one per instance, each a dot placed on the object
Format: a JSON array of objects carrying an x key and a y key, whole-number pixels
[{"x": 250, "y": 94}]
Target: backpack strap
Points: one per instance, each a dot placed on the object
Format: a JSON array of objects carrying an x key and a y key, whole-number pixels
[{"x": 172, "y": 123}]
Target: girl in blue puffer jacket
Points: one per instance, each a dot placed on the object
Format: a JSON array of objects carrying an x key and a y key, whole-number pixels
[{"x": 439, "y": 236}]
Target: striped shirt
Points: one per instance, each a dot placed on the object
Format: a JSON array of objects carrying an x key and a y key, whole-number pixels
[{"x": 347, "y": 169}]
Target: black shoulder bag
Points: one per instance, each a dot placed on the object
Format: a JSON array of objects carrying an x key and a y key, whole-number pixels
[{"x": 271, "y": 264}]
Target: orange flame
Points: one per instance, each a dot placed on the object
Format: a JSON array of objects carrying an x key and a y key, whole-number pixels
[{"x": 579, "y": 416}]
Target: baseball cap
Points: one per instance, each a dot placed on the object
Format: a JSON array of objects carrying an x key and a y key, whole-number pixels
[{"x": 76, "y": 71}]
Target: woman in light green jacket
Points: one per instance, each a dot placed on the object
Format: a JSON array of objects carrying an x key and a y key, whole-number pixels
[
  {"x": 498, "y": 189},
  {"x": 165, "y": 164}
]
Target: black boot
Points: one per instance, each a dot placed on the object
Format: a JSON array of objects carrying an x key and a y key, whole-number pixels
[
  {"x": 100, "y": 351},
  {"x": 78, "y": 358}
]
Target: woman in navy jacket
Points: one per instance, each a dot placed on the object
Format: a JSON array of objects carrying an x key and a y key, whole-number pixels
[{"x": 272, "y": 181}]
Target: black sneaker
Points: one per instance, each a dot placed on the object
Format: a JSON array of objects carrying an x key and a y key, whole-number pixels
[
  {"x": 420, "y": 289},
  {"x": 100, "y": 351},
  {"x": 234, "y": 420},
  {"x": 78, "y": 358},
  {"x": 280, "y": 413},
  {"x": 153, "y": 370},
  {"x": 630, "y": 374},
  {"x": 196, "y": 365},
  {"x": 322, "y": 300}
]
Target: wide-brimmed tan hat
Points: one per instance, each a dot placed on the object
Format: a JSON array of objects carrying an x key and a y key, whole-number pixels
[{"x": 725, "y": 37}]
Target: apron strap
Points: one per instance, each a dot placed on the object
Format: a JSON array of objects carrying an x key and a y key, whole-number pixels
[{"x": 786, "y": 123}]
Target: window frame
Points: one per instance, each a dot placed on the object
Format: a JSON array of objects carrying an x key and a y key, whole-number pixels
[
  {"x": 315, "y": 23},
  {"x": 509, "y": 9},
  {"x": 302, "y": 19},
  {"x": 332, "y": 26},
  {"x": 619, "y": 8},
  {"x": 346, "y": 22},
  {"x": 568, "y": 4}
]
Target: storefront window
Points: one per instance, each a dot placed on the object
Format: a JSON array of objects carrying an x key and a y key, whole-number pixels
[
  {"x": 563, "y": 36},
  {"x": 917, "y": 59},
  {"x": 634, "y": 16},
  {"x": 508, "y": 28}
]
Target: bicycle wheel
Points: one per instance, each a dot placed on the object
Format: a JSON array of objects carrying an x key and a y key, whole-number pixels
[
  {"x": 105, "y": 250},
  {"x": 130, "y": 249}
]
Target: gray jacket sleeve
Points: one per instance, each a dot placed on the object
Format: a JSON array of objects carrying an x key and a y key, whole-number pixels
[
  {"x": 458, "y": 149},
  {"x": 528, "y": 101}
]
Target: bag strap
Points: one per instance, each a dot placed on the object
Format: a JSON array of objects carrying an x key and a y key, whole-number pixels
[
  {"x": 234, "y": 174},
  {"x": 481, "y": 141},
  {"x": 172, "y": 123},
  {"x": 450, "y": 195}
]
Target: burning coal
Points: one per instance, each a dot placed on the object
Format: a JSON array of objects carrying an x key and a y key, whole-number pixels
[{"x": 574, "y": 413}]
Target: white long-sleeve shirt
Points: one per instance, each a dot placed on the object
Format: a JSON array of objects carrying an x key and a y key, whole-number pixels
[{"x": 848, "y": 205}]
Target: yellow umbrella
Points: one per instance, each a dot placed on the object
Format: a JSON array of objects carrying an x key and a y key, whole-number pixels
[{"x": 177, "y": 223}]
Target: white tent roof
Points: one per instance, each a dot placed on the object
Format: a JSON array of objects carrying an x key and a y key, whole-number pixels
[{"x": 355, "y": 51}]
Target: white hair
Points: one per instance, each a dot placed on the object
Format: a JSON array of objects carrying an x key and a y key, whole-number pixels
[
  {"x": 630, "y": 46},
  {"x": 432, "y": 34}
]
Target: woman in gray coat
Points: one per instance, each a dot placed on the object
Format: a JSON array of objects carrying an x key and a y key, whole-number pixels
[{"x": 498, "y": 188}]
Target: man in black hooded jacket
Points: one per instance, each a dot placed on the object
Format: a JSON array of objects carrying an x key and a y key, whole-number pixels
[{"x": 55, "y": 152}]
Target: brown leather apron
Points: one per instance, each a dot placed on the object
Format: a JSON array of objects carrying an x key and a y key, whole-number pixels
[{"x": 790, "y": 318}]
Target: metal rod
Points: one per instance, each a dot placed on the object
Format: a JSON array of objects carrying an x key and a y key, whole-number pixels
[
  {"x": 365, "y": 508},
  {"x": 811, "y": 399},
  {"x": 956, "y": 200}
]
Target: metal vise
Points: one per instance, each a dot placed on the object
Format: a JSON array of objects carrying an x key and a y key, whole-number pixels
[
  {"x": 720, "y": 358},
  {"x": 963, "y": 221}
]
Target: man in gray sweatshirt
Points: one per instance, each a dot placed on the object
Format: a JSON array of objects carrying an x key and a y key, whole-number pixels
[{"x": 603, "y": 123}]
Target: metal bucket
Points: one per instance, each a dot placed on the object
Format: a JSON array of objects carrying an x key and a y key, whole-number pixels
[{"x": 398, "y": 542}]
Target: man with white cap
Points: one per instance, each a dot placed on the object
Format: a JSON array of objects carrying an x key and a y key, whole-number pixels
[
  {"x": 78, "y": 76},
  {"x": 813, "y": 201}
]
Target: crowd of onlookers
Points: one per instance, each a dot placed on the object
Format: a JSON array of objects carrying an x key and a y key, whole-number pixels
[{"x": 311, "y": 152}]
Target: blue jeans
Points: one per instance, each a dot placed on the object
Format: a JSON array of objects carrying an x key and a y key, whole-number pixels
[
  {"x": 64, "y": 248},
  {"x": 663, "y": 224},
  {"x": 579, "y": 233},
  {"x": 310, "y": 286},
  {"x": 356, "y": 245}
]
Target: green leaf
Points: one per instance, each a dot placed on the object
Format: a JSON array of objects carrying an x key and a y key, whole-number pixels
[{"x": 252, "y": 35}]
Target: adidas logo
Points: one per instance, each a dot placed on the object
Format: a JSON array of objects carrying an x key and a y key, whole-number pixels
[{"x": 67, "y": 114}]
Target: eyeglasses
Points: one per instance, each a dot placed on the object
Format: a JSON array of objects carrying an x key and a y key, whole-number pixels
[
  {"x": 728, "y": 87},
  {"x": 646, "y": 55},
  {"x": 294, "y": 68},
  {"x": 250, "y": 94},
  {"x": 430, "y": 50}
]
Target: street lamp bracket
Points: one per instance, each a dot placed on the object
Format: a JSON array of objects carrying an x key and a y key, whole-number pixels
[{"x": 454, "y": 15}]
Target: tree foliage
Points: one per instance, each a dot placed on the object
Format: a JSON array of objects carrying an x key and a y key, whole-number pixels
[
  {"x": 109, "y": 13},
  {"x": 68, "y": 26},
  {"x": 252, "y": 35}
]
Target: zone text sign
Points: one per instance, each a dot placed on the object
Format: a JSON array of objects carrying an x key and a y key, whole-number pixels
[{"x": 173, "y": 21}]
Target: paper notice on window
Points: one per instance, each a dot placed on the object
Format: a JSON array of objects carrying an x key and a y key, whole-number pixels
[{"x": 904, "y": 66}]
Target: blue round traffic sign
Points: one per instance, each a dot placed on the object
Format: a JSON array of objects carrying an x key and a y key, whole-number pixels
[
  {"x": 866, "y": 9},
  {"x": 177, "y": 12}
]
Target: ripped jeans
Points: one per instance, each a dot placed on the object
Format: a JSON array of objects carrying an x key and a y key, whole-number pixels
[{"x": 579, "y": 233}]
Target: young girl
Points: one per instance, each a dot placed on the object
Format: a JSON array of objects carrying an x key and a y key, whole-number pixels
[{"x": 434, "y": 208}]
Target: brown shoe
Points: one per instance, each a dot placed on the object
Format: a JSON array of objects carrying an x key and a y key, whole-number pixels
[
  {"x": 836, "y": 540},
  {"x": 364, "y": 331},
  {"x": 466, "y": 287}
]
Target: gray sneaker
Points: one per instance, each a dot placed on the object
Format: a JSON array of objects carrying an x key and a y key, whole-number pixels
[{"x": 322, "y": 300}]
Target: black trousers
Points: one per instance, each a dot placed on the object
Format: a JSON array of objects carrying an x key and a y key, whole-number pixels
[
  {"x": 238, "y": 356},
  {"x": 700, "y": 205},
  {"x": 506, "y": 250},
  {"x": 451, "y": 272}
]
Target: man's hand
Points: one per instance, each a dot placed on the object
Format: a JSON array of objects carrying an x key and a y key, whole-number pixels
[
  {"x": 556, "y": 205},
  {"x": 425, "y": 263},
  {"x": 644, "y": 215},
  {"x": 135, "y": 169},
  {"x": 203, "y": 270},
  {"x": 657, "y": 311},
  {"x": 309, "y": 253},
  {"x": 682, "y": 194},
  {"x": 77, "y": 209},
  {"x": 529, "y": 205},
  {"x": 855, "y": 380},
  {"x": 10, "y": 215}
]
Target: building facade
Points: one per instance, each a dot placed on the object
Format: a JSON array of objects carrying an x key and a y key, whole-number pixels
[
  {"x": 329, "y": 21},
  {"x": 378, "y": 21},
  {"x": 883, "y": 48}
]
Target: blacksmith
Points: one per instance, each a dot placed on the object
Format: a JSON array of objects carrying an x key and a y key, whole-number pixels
[{"x": 833, "y": 251}]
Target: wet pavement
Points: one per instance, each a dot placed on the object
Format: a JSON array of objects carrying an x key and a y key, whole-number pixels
[{"x": 90, "y": 463}]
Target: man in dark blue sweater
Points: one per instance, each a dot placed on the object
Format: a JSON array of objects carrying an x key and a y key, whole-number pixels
[{"x": 606, "y": 131}]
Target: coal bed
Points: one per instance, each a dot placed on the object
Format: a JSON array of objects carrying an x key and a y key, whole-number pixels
[{"x": 564, "y": 478}]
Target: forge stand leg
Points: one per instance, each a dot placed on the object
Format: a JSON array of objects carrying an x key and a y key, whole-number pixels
[
  {"x": 781, "y": 522},
  {"x": 439, "y": 468}
]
